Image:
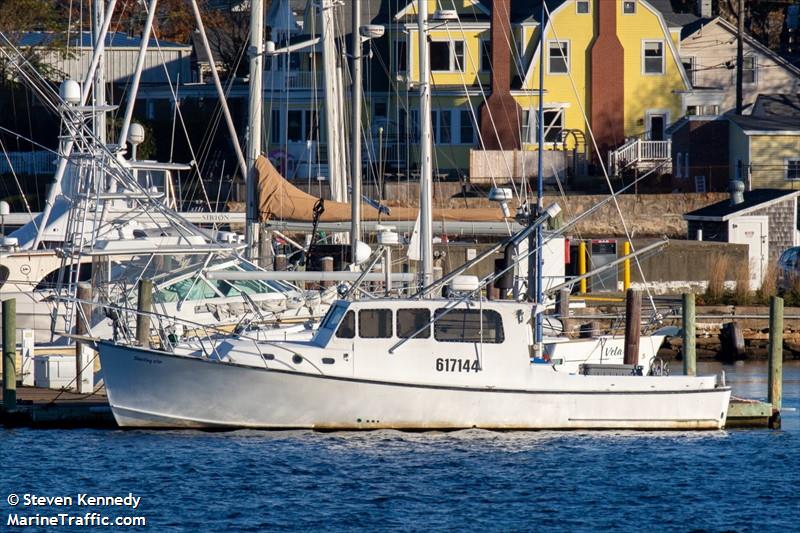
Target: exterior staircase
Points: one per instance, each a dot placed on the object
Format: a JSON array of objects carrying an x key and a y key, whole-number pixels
[{"x": 638, "y": 154}]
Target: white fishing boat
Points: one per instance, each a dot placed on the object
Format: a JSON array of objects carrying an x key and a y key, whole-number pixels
[{"x": 402, "y": 364}]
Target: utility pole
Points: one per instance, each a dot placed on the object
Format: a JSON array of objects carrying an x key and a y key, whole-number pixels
[{"x": 740, "y": 60}]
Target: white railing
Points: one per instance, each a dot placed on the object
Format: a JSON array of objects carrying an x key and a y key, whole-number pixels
[
  {"x": 298, "y": 79},
  {"x": 636, "y": 151},
  {"x": 38, "y": 162}
]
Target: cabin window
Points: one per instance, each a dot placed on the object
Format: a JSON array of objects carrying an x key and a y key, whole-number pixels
[
  {"x": 375, "y": 323},
  {"x": 466, "y": 325},
  {"x": 333, "y": 317},
  {"x": 558, "y": 57},
  {"x": 486, "y": 56},
  {"x": 793, "y": 169},
  {"x": 347, "y": 329},
  {"x": 629, "y": 7},
  {"x": 411, "y": 320},
  {"x": 653, "y": 57},
  {"x": 582, "y": 7}
]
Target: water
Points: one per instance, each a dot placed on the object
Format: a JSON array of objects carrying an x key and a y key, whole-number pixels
[{"x": 738, "y": 480}]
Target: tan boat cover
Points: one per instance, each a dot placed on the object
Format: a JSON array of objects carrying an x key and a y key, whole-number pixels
[{"x": 280, "y": 200}]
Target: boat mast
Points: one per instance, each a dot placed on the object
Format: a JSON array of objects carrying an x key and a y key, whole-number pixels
[
  {"x": 254, "y": 120},
  {"x": 538, "y": 333},
  {"x": 99, "y": 89},
  {"x": 355, "y": 143},
  {"x": 333, "y": 122},
  {"x": 426, "y": 163}
]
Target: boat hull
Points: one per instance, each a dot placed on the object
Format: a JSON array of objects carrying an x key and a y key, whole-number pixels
[{"x": 159, "y": 390}]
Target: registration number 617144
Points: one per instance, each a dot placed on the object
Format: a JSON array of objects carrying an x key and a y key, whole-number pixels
[{"x": 445, "y": 364}]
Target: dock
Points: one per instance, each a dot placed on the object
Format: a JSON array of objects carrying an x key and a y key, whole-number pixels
[{"x": 50, "y": 408}]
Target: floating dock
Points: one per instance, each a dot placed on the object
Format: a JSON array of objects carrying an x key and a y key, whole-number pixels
[{"x": 49, "y": 408}]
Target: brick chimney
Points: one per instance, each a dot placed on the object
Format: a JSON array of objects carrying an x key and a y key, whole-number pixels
[
  {"x": 608, "y": 80},
  {"x": 504, "y": 110}
]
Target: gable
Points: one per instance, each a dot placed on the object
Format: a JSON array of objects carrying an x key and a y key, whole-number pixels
[{"x": 462, "y": 7}]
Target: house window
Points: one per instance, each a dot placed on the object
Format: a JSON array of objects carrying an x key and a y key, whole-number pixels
[
  {"x": 466, "y": 128},
  {"x": 486, "y": 56},
  {"x": 653, "y": 57},
  {"x": 688, "y": 67},
  {"x": 629, "y": 7},
  {"x": 793, "y": 169},
  {"x": 275, "y": 127},
  {"x": 699, "y": 184},
  {"x": 401, "y": 56},
  {"x": 380, "y": 109},
  {"x": 553, "y": 125},
  {"x": 582, "y": 7},
  {"x": 441, "y": 122},
  {"x": 678, "y": 161},
  {"x": 558, "y": 57},
  {"x": 749, "y": 70},
  {"x": 447, "y": 56},
  {"x": 294, "y": 126}
]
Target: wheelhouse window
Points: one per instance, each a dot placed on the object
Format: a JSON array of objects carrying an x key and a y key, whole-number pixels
[
  {"x": 582, "y": 7},
  {"x": 468, "y": 325},
  {"x": 375, "y": 323},
  {"x": 447, "y": 56},
  {"x": 410, "y": 321},
  {"x": 793, "y": 169},
  {"x": 653, "y": 57},
  {"x": 347, "y": 328},
  {"x": 558, "y": 57},
  {"x": 333, "y": 317}
]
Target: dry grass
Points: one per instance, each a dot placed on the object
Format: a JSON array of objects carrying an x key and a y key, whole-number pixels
[
  {"x": 769, "y": 287},
  {"x": 716, "y": 278},
  {"x": 742, "y": 278}
]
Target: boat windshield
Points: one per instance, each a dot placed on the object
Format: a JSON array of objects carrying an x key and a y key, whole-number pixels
[{"x": 334, "y": 316}]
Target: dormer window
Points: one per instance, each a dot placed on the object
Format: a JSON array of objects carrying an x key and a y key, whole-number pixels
[
  {"x": 629, "y": 7},
  {"x": 583, "y": 7}
]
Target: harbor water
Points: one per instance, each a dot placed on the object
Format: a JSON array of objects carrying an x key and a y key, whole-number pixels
[{"x": 735, "y": 480}]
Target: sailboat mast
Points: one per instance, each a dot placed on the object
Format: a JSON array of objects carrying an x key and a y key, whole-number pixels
[
  {"x": 355, "y": 143},
  {"x": 538, "y": 333},
  {"x": 426, "y": 163},
  {"x": 99, "y": 88},
  {"x": 254, "y": 120}
]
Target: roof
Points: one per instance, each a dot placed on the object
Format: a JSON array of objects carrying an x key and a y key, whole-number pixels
[
  {"x": 753, "y": 201},
  {"x": 115, "y": 39},
  {"x": 752, "y": 124},
  {"x": 674, "y": 17},
  {"x": 777, "y": 105}
]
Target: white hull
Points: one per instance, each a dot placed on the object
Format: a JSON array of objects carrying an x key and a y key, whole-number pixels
[
  {"x": 569, "y": 354},
  {"x": 154, "y": 389}
]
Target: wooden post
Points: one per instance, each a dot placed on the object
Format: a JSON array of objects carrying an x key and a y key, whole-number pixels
[
  {"x": 281, "y": 262},
  {"x": 326, "y": 264},
  {"x": 562, "y": 309},
  {"x": 775, "y": 393},
  {"x": 265, "y": 259},
  {"x": 626, "y": 266},
  {"x": 582, "y": 266},
  {"x": 84, "y": 371},
  {"x": 10, "y": 354},
  {"x": 689, "y": 340},
  {"x": 144, "y": 306},
  {"x": 633, "y": 321}
]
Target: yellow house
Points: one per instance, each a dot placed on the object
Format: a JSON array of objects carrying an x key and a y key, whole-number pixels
[
  {"x": 612, "y": 69},
  {"x": 765, "y": 150}
]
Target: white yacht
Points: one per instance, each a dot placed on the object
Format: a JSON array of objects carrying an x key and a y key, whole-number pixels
[{"x": 402, "y": 364}]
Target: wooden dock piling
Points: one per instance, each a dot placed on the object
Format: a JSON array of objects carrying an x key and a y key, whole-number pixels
[
  {"x": 633, "y": 321},
  {"x": 10, "y": 354},
  {"x": 281, "y": 262},
  {"x": 689, "y": 340},
  {"x": 562, "y": 309},
  {"x": 326, "y": 265},
  {"x": 775, "y": 377},
  {"x": 144, "y": 307},
  {"x": 84, "y": 369}
]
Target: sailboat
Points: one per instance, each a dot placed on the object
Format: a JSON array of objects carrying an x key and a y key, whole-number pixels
[{"x": 401, "y": 363}]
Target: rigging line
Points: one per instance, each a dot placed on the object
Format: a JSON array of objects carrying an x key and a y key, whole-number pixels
[
  {"x": 19, "y": 185},
  {"x": 491, "y": 118},
  {"x": 29, "y": 140},
  {"x": 600, "y": 157}
]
